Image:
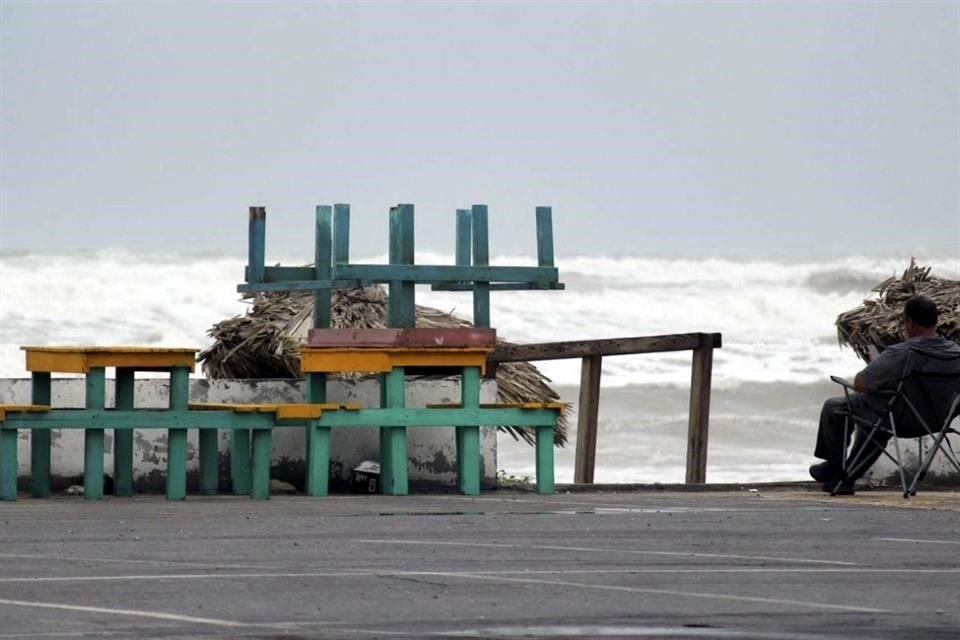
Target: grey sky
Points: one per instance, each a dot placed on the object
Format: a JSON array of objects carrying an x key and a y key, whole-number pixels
[{"x": 750, "y": 129}]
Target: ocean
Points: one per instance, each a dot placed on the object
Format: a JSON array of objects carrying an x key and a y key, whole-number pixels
[{"x": 769, "y": 379}]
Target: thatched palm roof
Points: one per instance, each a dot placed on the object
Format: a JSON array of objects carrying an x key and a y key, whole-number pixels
[
  {"x": 879, "y": 320},
  {"x": 264, "y": 343}
]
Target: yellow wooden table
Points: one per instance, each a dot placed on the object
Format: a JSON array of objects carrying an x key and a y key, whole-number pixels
[{"x": 93, "y": 362}]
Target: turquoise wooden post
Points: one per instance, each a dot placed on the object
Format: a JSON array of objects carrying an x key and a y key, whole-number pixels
[
  {"x": 208, "y": 442},
  {"x": 544, "y": 236},
  {"x": 393, "y": 440},
  {"x": 262, "y": 453},
  {"x": 468, "y": 437},
  {"x": 240, "y": 462},
  {"x": 401, "y": 314},
  {"x": 318, "y": 444},
  {"x": 256, "y": 244},
  {"x": 93, "y": 438},
  {"x": 544, "y": 449},
  {"x": 463, "y": 242},
  {"x": 123, "y": 438},
  {"x": 341, "y": 229},
  {"x": 481, "y": 257},
  {"x": 177, "y": 438},
  {"x": 40, "y": 439},
  {"x": 8, "y": 464}
]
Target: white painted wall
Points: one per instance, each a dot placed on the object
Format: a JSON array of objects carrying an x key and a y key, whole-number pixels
[{"x": 432, "y": 451}]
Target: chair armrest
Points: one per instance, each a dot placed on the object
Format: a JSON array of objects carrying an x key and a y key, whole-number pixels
[{"x": 843, "y": 383}]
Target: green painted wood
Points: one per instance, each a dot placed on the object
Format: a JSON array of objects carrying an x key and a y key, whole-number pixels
[
  {"x": 8, "y": 464},
  {"x": 393, "y": 438},
  {"x": 176, "y": 464},
  {"x": 323, "y": 252},
  {"x": 544, "y": 465},
  {"x": 208, "y": 441},
  {"x": 240, "y": 462},
  {"x": 501, "y": 286},
  {"x": 463, "y": 240},
  {"x": 40, "y": 440},
  {"x": 439, "y": 273},
  {"x": 545, "y": 236},
  {"x": 256, "y": 244},
  {"x": 93, "y": 438},
  {"x": 318, "y": 460},
  {"x": 244, "y": 422},
  {"x": 481, "y": 258},
  {"x": 317, "y": 440},
  {"x": 341, "y": 231},
  {"x": 123, "y": 438},
  {"x": 262, "y": 453},
  {"x": 468, "y": 437},
  {"x": 139, "y": 419},
  {"x": 401, "y": 302}
]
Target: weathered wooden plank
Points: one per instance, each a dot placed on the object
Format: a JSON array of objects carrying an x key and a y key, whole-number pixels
[
  {"x": 464, "y": 241},
  {"x": 502, "y": 286},
  {"x": 93, "y": 437},
  {"x": 393, "y": 435},
  {"x": 401, "y": 305},
  {"x": 256, "y": 244},
  {"x": 123, "y": 438},
  {"x": 468, "y": 436},
  {"x": 440, "y": 273},
  {"x": 451, "y": 337},
  {"x": 481, "y": 258},
  {"x": 40, "y": 440},
  {"x": 698, "y": 429},
  {"x": 588, "y": 412},
  {"x": 8, "y": 464},
  {"x": 545, "y": 459},
  {"x": 322, "y": 256},
  {"x": 604, "y": 347},
  {"x": 545, "y": 236},
  {"x": 384, "y": 360},
  {"x": 136, "y": 419}
]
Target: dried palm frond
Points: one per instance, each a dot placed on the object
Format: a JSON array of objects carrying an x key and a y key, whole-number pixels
[
  {"x": 264, "y": 344},
  {"x": 879, "y": 320}
]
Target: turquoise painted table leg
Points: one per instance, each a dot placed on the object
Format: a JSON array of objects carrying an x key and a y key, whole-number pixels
[
  {"x": 240, "y": 462},
  {"x": 262, "y": 449},
  {"x": 123, "y": 438},
  {"x": 318, "y": 438},
  {"x": 93, "y": 438},
  {"x": 468, "y": 437},
  {"x": 544, "y": 446},
  {"x": 177, "y": 438},
  {"x": 393, "y": 440},
  {"x": 318, "y": 460},
  {"x": 40, "y": 439},
  {"x": 8, "y": 464},
  {"x": 209, "y": 461}
]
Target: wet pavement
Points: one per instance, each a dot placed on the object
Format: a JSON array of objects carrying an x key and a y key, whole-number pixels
[{"x": 789, "y": 565}]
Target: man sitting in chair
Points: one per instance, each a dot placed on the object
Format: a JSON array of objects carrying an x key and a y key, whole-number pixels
[{"x": 881, "y": 374}]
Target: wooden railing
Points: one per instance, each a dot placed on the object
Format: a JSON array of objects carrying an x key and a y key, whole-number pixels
[{"x": 592, "y": 353}]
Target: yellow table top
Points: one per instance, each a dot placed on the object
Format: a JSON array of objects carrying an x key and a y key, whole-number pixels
[
  {"x": 80, "y": 359},
  {"x": 363, "y": 359}
]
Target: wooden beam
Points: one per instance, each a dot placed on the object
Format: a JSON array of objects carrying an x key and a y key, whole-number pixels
[
  {"x": 605, "y": 347},
  {"x": 698, "y": 430},
  {"x": 588, "y": 410}
]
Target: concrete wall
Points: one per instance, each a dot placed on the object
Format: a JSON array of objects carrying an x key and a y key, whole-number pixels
[{"x": 432, "y": 451}]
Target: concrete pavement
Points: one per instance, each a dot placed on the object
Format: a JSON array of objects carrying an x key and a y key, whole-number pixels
[{"x": 646, "y": 564}]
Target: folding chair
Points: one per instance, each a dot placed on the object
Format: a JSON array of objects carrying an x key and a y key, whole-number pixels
[{"x": 924, "y": 403}]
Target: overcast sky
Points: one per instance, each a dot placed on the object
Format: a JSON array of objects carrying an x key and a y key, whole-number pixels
[{"x": 798, "y": 130}]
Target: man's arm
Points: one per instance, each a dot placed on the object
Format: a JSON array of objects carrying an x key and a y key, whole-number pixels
[{"x": 858, "y": 384}]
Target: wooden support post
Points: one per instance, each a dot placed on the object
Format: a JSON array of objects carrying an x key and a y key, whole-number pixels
[
  {"x": 401, "y": 307},
  {"x": 8, "y": 464},
  {"x": 256, "y": 244},
  {"x": 341, "y": 230},
  {"x": 318, "y": 459},
  {"x": 468, "y": 437},
  {"x": 544, "y": 236},
  {"x": 177, "y": 438},
  {"x": 587, "y": 413},
  {"x": 208, "y": 442},
  {"x": 464, "y": 241},
  {"x": 544, "y": 452},
  {"x": 393, "y": 440},
  {"x": 481, "y": 257},
  {"x": 262, "y": 453},
  {"x": 40, "y": 439},
  {"x": 240, "y": 462},
  {"x": 698, "y": 430},
  {"x": 93, "y": 438},
  {"x": 123, "y": 438}
]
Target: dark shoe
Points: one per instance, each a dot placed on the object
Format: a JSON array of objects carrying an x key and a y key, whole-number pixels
[
  {"x": 839, "y": 488},
  {"x": 824, "y": 472}
]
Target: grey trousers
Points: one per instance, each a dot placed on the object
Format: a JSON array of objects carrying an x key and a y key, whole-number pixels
[{"x": 830, "y": 436}]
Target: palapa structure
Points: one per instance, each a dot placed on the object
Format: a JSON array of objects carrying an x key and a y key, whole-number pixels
[
  {"x": 879, "y": 320},
  {"x": 264, "y": 344}
]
